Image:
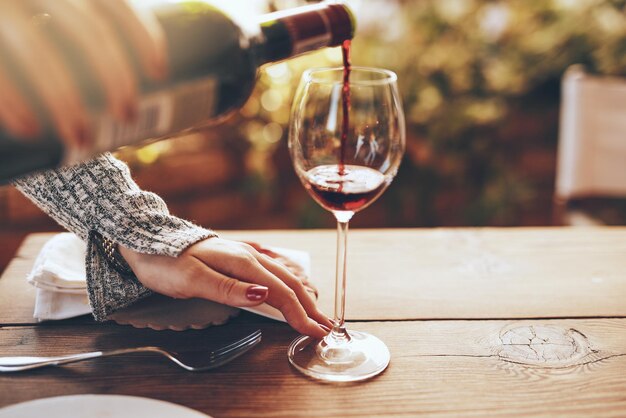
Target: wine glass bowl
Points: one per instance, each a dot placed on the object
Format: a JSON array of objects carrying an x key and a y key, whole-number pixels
[
  {"x": 373, "y": 145},
  {"x": 346, "y": 141}
]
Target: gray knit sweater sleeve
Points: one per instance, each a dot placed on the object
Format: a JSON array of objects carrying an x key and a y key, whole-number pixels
[{"x": 100, "y": 198}]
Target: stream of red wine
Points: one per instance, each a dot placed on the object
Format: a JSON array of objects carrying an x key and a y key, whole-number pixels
[
  {"x": 345, "y": 187},
  {"x": 345, "y": 99}
]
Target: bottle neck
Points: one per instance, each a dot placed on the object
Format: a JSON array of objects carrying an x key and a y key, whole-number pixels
[{"x": 296, "y": 31}]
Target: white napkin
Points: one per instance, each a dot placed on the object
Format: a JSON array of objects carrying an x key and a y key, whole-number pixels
[
  {"x": 50, "y": 304},
  {"x": 60, "y": 277},
  {"x": 60, "y": 265}
]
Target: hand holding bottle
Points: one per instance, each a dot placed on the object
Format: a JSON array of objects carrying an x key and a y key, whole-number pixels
[
  {"x": 80, "y": 77},
  {"x": 96, "y": 30}
]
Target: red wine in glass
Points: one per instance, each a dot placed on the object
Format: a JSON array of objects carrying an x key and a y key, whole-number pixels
[{"x": 350, "y": 188}]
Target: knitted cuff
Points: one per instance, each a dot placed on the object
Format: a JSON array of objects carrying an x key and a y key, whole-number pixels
[{"x": 111, "y": 284}]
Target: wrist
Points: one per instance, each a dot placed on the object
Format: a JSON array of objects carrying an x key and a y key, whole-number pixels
[
  {"x": 127, "y": 253},
  {"x": 130, "y": 257},
  {"x": 113, "y": 254}
]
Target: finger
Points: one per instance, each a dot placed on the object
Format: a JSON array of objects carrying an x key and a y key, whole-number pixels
[
  {"x": 295, "y": 284},
  {"x": 107, "y": 56},
  {"x": 79, "y": 21},
  {"x": 310, "y": 288},
  {"x": 284, "y": 299},
  {"x": 261, "y": 249},
  {"x": 296, "y": 270},
  {"x": 16, "y": 115},
  {"x": 294, "y": 267},
  {"x": 295, "y": 315},
  {"x": 210, "y": 284},
  {"x": 144, "y": 32},
  {"x": 45, "y": 72},
  {"x": 244, "y": 266}
]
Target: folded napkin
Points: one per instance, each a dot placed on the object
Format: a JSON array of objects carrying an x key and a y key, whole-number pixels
[
  {"x": 60, "y": 278},
  {"x": 50, "y": 304},
  {"x": 60, "y": 265}
]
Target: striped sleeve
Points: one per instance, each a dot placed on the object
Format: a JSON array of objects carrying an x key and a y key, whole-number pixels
[{"x": 99, "y": 197}]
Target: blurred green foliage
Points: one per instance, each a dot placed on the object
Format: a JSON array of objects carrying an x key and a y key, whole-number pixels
[{"x": 480, "y": 81}]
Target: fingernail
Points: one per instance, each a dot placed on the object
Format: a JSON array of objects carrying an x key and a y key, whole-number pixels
[
  {"x": 31, "y": 131},
  {"x": 160, "y": 71},
  {"x": 157, "y": 68},
  {"x": 130, "y": 113},
  {"x": 325, "y": 328},
  {"x": 82, "y": 136},
  {"x": 256, "y": 293}
]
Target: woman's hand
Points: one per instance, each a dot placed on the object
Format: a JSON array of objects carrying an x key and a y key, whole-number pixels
[
  {"x": 87, "y": 27},
  {"x": 233, "y": 273}
]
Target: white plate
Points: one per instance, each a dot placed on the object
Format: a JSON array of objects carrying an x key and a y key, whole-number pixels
[{"x": 98, "y": 406}]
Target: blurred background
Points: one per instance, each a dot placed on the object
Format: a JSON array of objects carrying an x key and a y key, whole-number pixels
[{"x": 480, "y": 80}]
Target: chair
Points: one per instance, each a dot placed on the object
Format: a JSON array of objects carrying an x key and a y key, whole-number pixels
[{"x": 591, "y": 159}]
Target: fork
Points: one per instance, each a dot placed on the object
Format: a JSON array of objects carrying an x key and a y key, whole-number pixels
[{"x": 193, "y": 360}]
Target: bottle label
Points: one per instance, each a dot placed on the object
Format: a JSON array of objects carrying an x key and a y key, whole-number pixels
[
  {"x": 159, "y": 114},
  {"x": 310, "y": 44},
  {"x": 309, "y": 27},
  {"x": 309, "y": 31}
]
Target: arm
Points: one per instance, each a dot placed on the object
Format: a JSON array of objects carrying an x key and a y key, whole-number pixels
[
  {"x": 100, "y": 202},
  {"x": 99, "y": 198},
  {"x": 169, "y": 255}
]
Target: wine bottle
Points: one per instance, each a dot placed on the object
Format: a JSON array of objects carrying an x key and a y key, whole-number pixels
[{"x": 213, "y": 61}]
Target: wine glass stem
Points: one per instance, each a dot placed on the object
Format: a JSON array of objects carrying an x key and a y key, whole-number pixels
[{"x": 339, "y": 330}]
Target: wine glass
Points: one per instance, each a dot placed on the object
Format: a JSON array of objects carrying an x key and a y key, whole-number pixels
[{"x": 346, "y": 142}]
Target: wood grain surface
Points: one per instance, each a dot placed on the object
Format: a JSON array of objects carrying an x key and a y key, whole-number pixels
[
  {"x": 434, "y": 274},
  {"x": 438, "y": 368},
  {"x": 17, "y": 298},
  {"x": 479, "y": 322}
]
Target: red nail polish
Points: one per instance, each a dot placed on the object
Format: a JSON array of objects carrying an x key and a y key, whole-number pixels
[{"x": 256, "y": 293}]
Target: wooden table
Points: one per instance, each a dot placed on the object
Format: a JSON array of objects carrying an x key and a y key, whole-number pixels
[{"x": 480, "y": 322}]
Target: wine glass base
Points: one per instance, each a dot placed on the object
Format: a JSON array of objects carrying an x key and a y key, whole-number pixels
[{"x": 359, "y": 358}]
